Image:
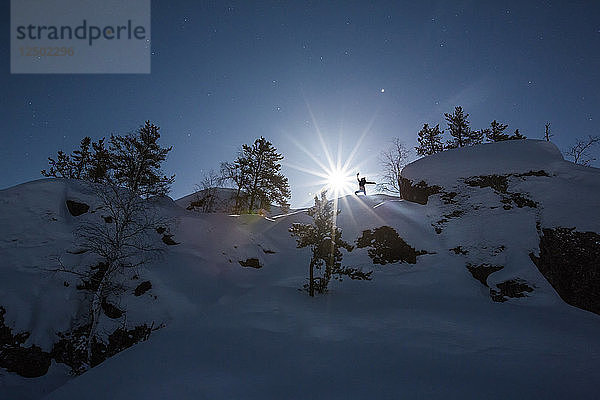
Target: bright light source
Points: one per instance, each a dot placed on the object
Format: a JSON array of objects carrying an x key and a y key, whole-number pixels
[{"x": 338, "y": 181}]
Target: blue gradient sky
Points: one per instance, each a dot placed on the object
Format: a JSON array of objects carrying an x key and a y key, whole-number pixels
[{"x": 225, "y": 73}]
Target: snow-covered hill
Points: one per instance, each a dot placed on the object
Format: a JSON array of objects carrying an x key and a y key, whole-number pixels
[
  {"x": 221, "y": 200},
  {"x": 473, "y": 318}
]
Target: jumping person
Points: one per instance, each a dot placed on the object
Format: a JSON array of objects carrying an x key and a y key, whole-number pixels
[{"x": 361, "y": 184}]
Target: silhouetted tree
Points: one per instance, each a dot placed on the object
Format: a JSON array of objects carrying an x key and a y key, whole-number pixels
[
  {"x": 59, "y": 168},
  {"x": 496, "y": 132},
  {"x": 458, "y": 126},
  {"x": 392, "y": 161},
  {"x": 231, "y": 172},
  {"x": 82, "y": 163},
  {"x": 580, "y": 151},
  {"x": 100, "y": 163},
  {"x": 325, "y": 241},
  {"x": 136, "y": 161},
  {"x": 517, "y": 136},
  {"x": 123, "y": 239},
  {"x": 207, "y": 192},
  {"x": 81, "y": 159},
  {"x": 547, "y": 133},
  {"x": 430, "y": 140},
  {"x": 258, "y": 169},
  {"x": 476, "y": 137}
]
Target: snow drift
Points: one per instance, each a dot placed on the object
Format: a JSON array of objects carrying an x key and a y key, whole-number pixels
[{"x": 472, "y": 318}]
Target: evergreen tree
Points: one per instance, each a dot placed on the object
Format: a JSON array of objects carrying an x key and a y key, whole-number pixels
[
  {"x": 496, "y": 133},
  {"x": 81, "y": 159},
  {"x": 325, "y": 241},
  {"x": 476, "y": 137},
  {"x": 100, "y": 163},
  {"x": 258, "y": 171},
  {"x": 430, "y": 140},
  {"x": 59, "y": 168},
  {"x": 137, "y": 159},
  {"x": 517, "y": 136},
  {"x": 458, "y": 126}
]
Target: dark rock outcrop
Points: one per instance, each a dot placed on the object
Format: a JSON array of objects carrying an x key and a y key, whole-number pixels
[
  {"x": 497, "y": 182},
  {"x": 142, "y": 288},
  {"x": 250, "y": 262},
  {"x": 386, "y": 246},
  {"x": 168, "y": 240},
  {"x": 512, "y": 288},
  {"x": 417, "y": 193},
  {"x": 29, "y": 362},
  {"x": 483, "y": 271},
  {"x": 570, "y": 261},
  {"x": 69, "y": 351},
  {"x": 110, "y": 310},
  {"x": 76, "y": 208}
]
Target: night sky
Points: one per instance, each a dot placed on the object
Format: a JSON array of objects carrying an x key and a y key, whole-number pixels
[{"x": 225, "y": 73}]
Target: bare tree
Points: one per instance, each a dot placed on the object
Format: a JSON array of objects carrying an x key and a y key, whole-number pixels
[
  {"x": 547, "y": 134},
  {"x": 392, "y": 160},
  {"x": 580, "y": 151},
  {"x": 207, "y": 192},
  {"x": 124, "y": 238}
]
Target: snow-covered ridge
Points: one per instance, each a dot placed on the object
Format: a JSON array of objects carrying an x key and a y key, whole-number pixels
[
  {"x": 434, "y": 329},
  {"x": 567, "y": 193},
  {"x": 507, "y": 157}
]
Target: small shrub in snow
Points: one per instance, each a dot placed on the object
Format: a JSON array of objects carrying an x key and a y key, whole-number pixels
[{"x": 325, "y": 241}]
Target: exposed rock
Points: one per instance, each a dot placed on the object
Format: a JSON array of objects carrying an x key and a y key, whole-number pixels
[
  {"x": 168, "y": 240},
  {"x": 533, "y": 173},
  {"x": 267, "y": 251},
  {"x": 29, "y": 362},
  {"x": 522, "y": 201},
  {"x": 483, "y": 271},
  {"x": 76, "y": 208},
  {"x": 250, "y": 262},
  {"x": 108, "y": 220},
  {"x": 449, "y": 197},
  {"x": 142, "y": 288},
  {"x": 511, "y": 288},
  {"x": 454, "y": 214},
  {"x": 500, "y": 184},
  {"x": 95, "y": 279},
  {"x": 110, "y": 310},
  {"x": 570, "y": 261},
  {"x": 68, "y": 349},
  {"x": 418, "y": 193},
  {"x": 497, "y": 182},
  {"x": 459, "y": 250},
  {"x": 386, "y": 246}
]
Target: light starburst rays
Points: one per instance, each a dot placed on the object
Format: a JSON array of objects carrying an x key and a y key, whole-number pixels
[{"x": 335, "y": 171}]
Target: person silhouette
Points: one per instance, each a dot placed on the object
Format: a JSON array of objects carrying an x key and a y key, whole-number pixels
[{"x": 361, "y": 184}]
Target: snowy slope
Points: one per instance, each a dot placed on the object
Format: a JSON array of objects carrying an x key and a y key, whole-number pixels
[
  {"x": 224, "y": 201},
  {"x": 569, "y": 195},
  {"x": 428, "y": 330}
]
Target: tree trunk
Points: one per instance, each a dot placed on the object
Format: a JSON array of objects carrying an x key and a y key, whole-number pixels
[
  {"x": 95, "y": 309},
  {"x": 255, "y": 185},
  {"x": 311, "y": 288}
]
